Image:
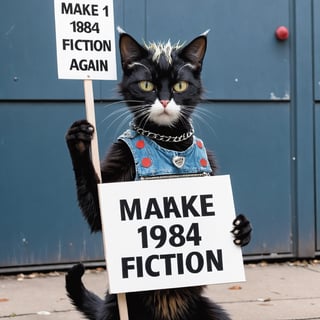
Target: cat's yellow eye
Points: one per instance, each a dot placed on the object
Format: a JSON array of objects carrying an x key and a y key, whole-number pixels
[
  {"x": 146, "y": 86},
  {"x": 181, "y": 86}
]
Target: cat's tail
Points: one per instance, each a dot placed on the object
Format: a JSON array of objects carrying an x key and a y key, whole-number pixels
[{"x": 85, "y": 301}]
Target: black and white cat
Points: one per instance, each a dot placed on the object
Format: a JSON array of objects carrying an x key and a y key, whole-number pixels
[{"x": 161, "y": 85}]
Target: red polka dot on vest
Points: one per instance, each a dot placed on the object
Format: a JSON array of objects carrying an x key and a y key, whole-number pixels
[
  {"x": 199, "y": 144},
  {"x": 203, "y": 162},
  {"x": 140, "y": 144},
  {"x": 146, "y": 162}
]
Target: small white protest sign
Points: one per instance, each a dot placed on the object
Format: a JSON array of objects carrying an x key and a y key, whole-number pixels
[
  {"x": 85, "y": 39},
  {"x": 169, "y": 233}
]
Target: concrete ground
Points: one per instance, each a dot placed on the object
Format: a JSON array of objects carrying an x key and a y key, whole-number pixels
[{"x": 273, "y": 291}]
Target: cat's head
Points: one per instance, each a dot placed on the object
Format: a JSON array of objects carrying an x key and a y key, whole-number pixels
[{"x": 161, "y": 82}]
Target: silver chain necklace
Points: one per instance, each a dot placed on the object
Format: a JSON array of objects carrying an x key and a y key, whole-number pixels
[{"x": 159, "y": 137}]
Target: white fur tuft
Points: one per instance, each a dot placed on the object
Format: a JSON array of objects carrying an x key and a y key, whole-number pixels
[
  {"x": 205, "y": 33},
  {"x": 120, "y": 30},
  {"x": 162, "y": 48}
]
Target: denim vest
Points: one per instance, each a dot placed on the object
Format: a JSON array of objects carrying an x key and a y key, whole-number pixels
[{"x": 152, "y": 160}]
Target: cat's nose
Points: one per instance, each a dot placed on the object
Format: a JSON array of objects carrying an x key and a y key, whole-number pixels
[{"x": 164, "y": 103}]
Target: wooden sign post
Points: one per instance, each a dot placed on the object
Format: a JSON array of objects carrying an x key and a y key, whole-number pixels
[
  {"x": 91, "y": 117},
  {"x": 85, "y": 43}
]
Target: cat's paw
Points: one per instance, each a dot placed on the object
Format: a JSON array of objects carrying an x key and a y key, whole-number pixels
[
  {"x": 79, "y": 136},
  {"x": 242, "y": 230}
]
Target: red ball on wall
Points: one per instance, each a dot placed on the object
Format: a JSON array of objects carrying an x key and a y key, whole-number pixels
[{"x": 282, "y": 33}]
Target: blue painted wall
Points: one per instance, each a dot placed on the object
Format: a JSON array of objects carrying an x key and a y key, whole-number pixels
[{"x": 260, "y": 115}]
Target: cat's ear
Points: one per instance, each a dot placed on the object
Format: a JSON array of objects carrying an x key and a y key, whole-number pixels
[
  {"x": 130, "y": 50},
  {"x": 194, "y": 51}
]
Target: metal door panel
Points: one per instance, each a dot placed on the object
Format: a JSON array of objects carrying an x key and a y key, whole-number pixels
[
  {"x": 244, "y": 59},
  {"x": 251, "y": 142},
  {"x": 28, "y": 49},
  {"x": 41, "y": 222},
  {"x": 29, "y": 69}
]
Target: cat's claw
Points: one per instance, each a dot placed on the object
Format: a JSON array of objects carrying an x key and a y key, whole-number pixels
[
  {"x": 79, "y": 136},
  {"x": 242, "y": 230}
]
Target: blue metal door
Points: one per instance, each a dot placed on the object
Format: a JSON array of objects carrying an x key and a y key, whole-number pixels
[
  {"x": 247, "y": 103},
  {"x": 260, "y": 115}
]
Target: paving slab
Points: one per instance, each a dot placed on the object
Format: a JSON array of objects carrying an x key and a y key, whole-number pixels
[{"x": 284, "y": 291}]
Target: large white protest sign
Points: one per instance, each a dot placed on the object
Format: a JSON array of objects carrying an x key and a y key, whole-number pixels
[
  {"x": 169, "y": 233},
  {"x": 85, "y": 39}
]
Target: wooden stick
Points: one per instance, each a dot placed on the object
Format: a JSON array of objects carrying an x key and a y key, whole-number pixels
[
  {"x": 122, "y": 304},
  {"x": 91, "y": 117}
]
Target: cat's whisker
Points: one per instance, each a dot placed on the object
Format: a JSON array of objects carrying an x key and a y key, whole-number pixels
[
  {"x": 123, "y": 110},
  {"x": 124, "y": 122},
  {"x": 115, "y": 112},
  {"x": 122, "y": 102},
  {"x": 123, "y": 115},
  {"x": 143, "y": 114},
  {"x": 185, "y": 116},
  {"x": 203, "y": 116},
  {"x": 203, "y": 111},
  {"x": 122, "y": 126},
  {"x": 115, "y": 117},
  {"x": 120, "y": 116}
]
